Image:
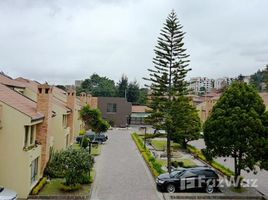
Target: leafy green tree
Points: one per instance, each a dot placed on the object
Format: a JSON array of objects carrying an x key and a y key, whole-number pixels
[
  {"x": 143, "y": 97},
  {"x": 93, "y": 119},
  {"x": 186, "y": 121},
  {"x": 133, "y": 92},
  {"x": 237, "y": 127},
  {"x": 98, "y": 86},
  {"x": 167, "y": 77},
  {"x": 122, "y": 86}
]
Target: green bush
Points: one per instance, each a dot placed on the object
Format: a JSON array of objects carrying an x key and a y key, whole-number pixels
[
  {"x": 39, "y": 186},
  {"x": 176, "y": 163},
  {"x": 84, "y": 142},
  {"x": 150, "y": 160},
  {"x": 82, "y": 132},
  {"x": 70, "y": 188},
  {"x": 71, "y": 164}
]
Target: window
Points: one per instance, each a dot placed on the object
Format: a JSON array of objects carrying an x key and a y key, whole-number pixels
[
  {"x": 32, "y": 135},
  {"x": 26, "y": 136},
  {"x": 34, "y": 170},
  {"x": 64, "y": 121},
  {"x": 111, "y": 107}
]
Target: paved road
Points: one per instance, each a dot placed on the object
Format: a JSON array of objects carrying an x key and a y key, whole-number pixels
[
  {"x": 121, "y": 171},
  {"x": 261, "y": 176}
]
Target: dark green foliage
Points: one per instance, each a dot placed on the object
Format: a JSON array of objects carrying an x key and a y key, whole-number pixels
[
  {"x": 98, "y": 86},
  {"x": 61, "y": 87},
  {"x": 177, "y": 164},
  {"x": 72, "y": 164},
  {"x": 167, "y": 77},
  {"x": 186, "y": 122},
  {"x": 85, "y": 141},
  {"x": 143, "y": 96},
  {"x": 122, "y": 86},
  {"x": 133, "y": 92},
  {"x": 93, "y": 119},
  {"x": 237, "y": 127}
]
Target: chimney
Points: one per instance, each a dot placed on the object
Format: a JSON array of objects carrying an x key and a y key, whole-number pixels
[
  {"x": 71, "y": 103},
  {"x": 44, "y": 106},
  {"x": 83, "y": 98}
]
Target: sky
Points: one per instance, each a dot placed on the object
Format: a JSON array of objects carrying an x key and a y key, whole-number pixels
[{"x": 60, "y": 41}]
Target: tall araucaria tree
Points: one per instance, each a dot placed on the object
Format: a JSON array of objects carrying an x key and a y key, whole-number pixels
[{"x": 167, "y": 76}]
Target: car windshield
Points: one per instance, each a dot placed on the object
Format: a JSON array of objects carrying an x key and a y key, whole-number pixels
[{"x": 175, "y": 173}]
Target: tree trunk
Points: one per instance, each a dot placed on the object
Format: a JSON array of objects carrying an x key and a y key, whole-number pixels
[
  {"x": 184, "y": 144},
  {"x": 168, "y": 151},
  {"x": 237, "y": 168}
]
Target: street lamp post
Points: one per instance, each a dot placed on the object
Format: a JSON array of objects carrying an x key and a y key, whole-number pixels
[
  {"x": 89, "y": 146},
  {"x": 145, "y": 131}
]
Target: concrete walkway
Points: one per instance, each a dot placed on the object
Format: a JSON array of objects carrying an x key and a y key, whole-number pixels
[{"x": 122, "y": 172}]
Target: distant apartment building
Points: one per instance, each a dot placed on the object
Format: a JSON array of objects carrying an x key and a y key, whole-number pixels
[
  {"x": 222, "y": 82},
  {"x": 33, "y": 118},
  {"x": 200, "y": 85},
  {"x": 77, "y": 83}
]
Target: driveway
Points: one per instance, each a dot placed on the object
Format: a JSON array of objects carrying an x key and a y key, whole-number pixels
[
  {"x": 261, "y": 176},
  {"x": 121, "y": 172}
]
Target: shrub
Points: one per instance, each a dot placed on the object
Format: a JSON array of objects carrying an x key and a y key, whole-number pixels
[
  {"x": 70, "y": 188},
  {"x": 82, "y": 132},
  {"x": 176, "y": 163},
  {"x": 39, "y": 186},
  {"x": 70, "y": 164},
  {"x": 85, "y": 141},
  {"x": 150, "y": 160}
]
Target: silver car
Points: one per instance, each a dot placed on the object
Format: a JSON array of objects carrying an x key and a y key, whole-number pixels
[{"x": 6, "y": 194}]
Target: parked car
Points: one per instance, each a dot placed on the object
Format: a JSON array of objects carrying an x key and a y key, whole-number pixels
[
  {"x": 188, "y": 179},
  {"x": 94, "y": 137},
  {"x": 100, "y": 138},
  {"x": 156, "y": 131},
  {"x": 7, "y": 194}
]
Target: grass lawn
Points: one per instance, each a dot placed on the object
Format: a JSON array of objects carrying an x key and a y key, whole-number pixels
[
  {"x": 160, "y": 145},
  {"x": 76, "y": 146},
  {"x": 53, "y": 187},
  {"x": 186, "y": 162},
  {"x": 96, "y": 150}
]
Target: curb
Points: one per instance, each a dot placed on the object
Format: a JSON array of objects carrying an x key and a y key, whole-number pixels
[
  {"x": 58, "y": 197},
  {"x": 213, "y": 197}
]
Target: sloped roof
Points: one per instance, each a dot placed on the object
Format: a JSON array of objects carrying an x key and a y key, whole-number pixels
[
  {"x": 19, "y": 102},
  {"x": 140, "y": 109},
  {"x": 32, "y": 85},
  {"x": 10, "y": 82}
]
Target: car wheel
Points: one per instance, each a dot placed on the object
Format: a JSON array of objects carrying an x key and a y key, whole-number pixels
[
  {"x": 209, "y": 189},
  {"x": 171, "y": 188}
]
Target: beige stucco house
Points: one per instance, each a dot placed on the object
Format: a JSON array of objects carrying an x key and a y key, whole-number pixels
[{"x": 33, "y": 118}]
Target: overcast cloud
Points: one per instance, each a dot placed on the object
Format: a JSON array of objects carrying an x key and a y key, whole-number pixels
[{"x": 60, "y": 41}]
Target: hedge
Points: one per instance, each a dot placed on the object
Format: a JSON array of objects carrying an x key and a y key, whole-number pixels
[
  {"x": 150, "y": 160},
  {"x": 39, "y": 186},
  {"x": 197, "y": 152}
]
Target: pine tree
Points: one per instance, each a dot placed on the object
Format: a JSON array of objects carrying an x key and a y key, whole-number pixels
[
  {"x": 167, "y": 77},
  {"x": 122, "y": 86}
]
